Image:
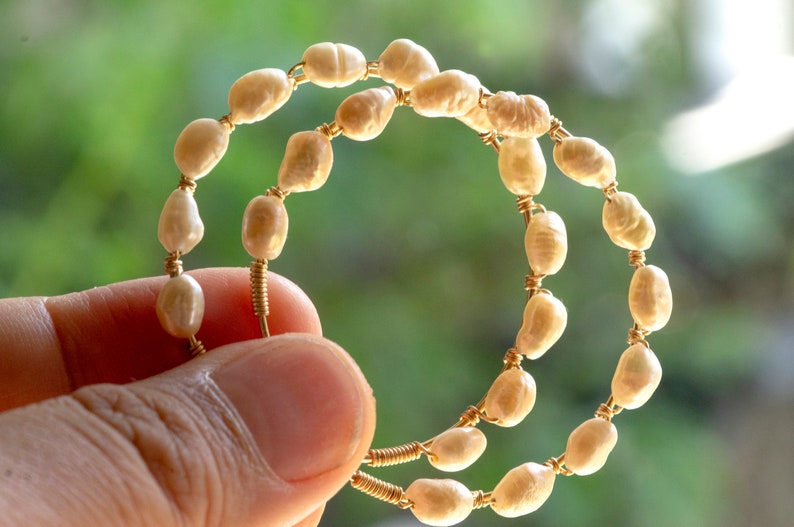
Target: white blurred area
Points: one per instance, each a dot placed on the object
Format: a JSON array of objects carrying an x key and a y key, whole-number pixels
[
  {"x": 748, "y": 47},
  {"x": 743, "y": 57}
]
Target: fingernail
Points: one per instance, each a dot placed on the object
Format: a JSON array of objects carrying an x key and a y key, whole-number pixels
[{"x": 301, "y": 402}]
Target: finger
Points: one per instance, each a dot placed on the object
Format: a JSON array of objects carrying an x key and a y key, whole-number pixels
[
  {"x": 312, "y": 520},
  {"x": 234, "y": 437},
  {"x": 51, "y": 346}
]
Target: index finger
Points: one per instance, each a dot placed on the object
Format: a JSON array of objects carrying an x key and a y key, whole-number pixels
[{"x": 52, "y": 346}]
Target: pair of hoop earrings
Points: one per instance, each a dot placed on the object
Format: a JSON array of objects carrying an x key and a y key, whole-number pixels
[{"x": 509, "y": 123}]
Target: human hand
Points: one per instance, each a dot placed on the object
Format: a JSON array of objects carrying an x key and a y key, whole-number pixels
[{"x": 255, "y": 432}]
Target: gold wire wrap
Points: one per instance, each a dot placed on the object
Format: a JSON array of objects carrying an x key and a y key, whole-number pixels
[
  {"x": 512, "y": 359},
  {"x": 481, "y": 499},
  {"x": 532, "y": 283},
  {"x": 610, "y": 190},
  {"x": 259, "y": 297},
  {"x": 482, "y": 101},
  {"x": 379, "y": 489},
  {"x": 473, "y": 415},
  {"x": 330, "y": 130},
  {"x": 173, "y": 265},
  {"x": 403, "y": 97},
  {"x": 186, "y": 184},
  {"x": 491, "y": 138},
  {"x": 637, "y": 259},
  {"x": 637, "y": 335},
  {"x": 556, "y": 131},
  {"x": 608, "y": 409},
  {"x": 196, "y": 347},
  {"x": 373, "y": 70},
  {"x": 226, "y": 121},
  {"x": 387, "y": 457},
  {"x": 277, "y": 192},
  {"x": 557, "y": 465},
  {"x": 297, "y": 78}
]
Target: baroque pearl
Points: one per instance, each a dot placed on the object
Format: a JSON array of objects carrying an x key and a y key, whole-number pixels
[
  {"x": 650, "y": 298},
  {"x": 364, "y": 115},
  {"x": 457, "y": 448},
  {"x": 522, "y": 166},
  {"x": 636, "y": 377},
  {"x": 589, "y": 445},
  {"x": 511, "y": 397},
  {"x": 307, "y": 162},
  {"x": 180, "y": 228},
  {"x": 257, "y": 94},
  {"x": 332, "y": 65},
  {"x": 439, "y": 502},
  {"x": 451, "y": 93},
  {"x": 543, "y": 324},
  {"x": 585, "y": 161},
  {"x": 519, "y": 115},
  {"x": 546, "y": 243},
  {"x": 627, "y": 223},
  {"x": 180, "y": 306},
  {"x": 522, "y": 490},
  {"x": 200, "y": 146},
  {"x": 265, "y": 225},
  {"x": 405, "y": 63}
]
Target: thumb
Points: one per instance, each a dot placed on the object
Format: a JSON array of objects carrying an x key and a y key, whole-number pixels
[{"x": 260, "y": 432}]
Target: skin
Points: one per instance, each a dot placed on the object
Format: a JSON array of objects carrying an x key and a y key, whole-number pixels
[{"x": 107, "y": 421}]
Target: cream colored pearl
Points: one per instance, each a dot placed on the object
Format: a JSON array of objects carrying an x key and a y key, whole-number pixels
[
  {"x": 180, "y": 227},
  {"x": 544, "y": 322},
  {"x": 257, "y": 94},
  {"x": 476, "y": 119},
  {"x": 364, "y": 115},
  {"x": 451, "y": 93},
  {"x": 180, "y": 306},
  {"x": 333, "y": 65},
  {"x": 519, "y": 115},
  {"x": 636, "y": 377},
  {"x": 589, "y": 445},
  {"x": 457, "y": 448},
  {"x": 511, "y": 397},
  {"x": 405, "y": 63},
  {"x": 522, "y": 166},
  {"x": 585, "y": 161},
  {"x": 439, "y": 502},
  {"x": 265, "y": 225},
  {"x": 522, "y": 490},
  {"x": 627, "y": 223},
  {"x": 307, "y": 162},
  {"x": 200, "y": 146},
  {"x": 650, "y": 298},
  {"x": 546, "y": 243}
]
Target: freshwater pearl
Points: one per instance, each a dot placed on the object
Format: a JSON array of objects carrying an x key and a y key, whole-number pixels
[
  {"x": 180, "y": 228},
  {"x": 585, "y": 161},
  {"x": 257, "y": 94},
  {"x": 511, "y": 397},
  {"x": 457, "y": 448},
  {"x": 265, "y": 225},
  {"x": 522, "y": 490},
  {"x": 589, "y": 445},
  {"x": 650, "y": 298},
  {"x": 546, "y": 243},
  {"x": 307, "y": 162},
  {"x": 439, "y": 502},
  {"x": 180, "y": 306},
  {"x": 200, "y": 146},
  {"x": 333, "y": 65},
  {"x": 364, "y": 115},
  {"x": 637, "y": 376},
  {"x": 405, "y": 63}
]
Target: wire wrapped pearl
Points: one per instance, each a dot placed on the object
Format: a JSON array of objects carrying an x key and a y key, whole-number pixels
[
  {"x": 180, "y": 227},
  {"x": 439, "y": 502},
  {"x": 589, "y": 445},
  {"x": 200, "y": 146},
  {"x": 405, "y": 63},
  {"x": 650, "y": 298},
  {"x": 637, "y": 376},
  {"x": 332, "y": 65},
  {"x": 627, "y": 223},
  {"x": 451, "y": 93},
  {"x": 307, "y": 162},
  {"x": 585, "y": 161},
  {"x": 511, "y": 397},
  {"x": 364, "y": 115},
  {"x": 519, "y": 115},
  {"x": 257, "y": 94},
  {"x": 180, "y": 306},
  {"x": 543, "y": 324},
  {"x": 265, "y": 225},
  {"x": 546, "y": 243},
  {"x": 522, "y": 490},
  {"x": 522, "y": 166},
  {"x": 457, "y": 448}
]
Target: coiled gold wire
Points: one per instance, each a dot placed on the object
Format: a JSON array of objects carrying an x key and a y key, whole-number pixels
[
  {"x": 379, "y": 489},
  {"x": 386, "y": 457},
  {"x": 259, "y": 297}
]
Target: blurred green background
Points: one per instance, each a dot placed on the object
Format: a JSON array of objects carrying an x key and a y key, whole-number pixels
[{"x": 413, "y": 250}]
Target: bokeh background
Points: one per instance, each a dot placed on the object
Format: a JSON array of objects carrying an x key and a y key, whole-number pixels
[{"x": 413, "y": 251}]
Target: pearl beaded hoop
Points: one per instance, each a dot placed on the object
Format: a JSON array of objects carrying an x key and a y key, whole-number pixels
[{"x": 509, "y": 123}]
